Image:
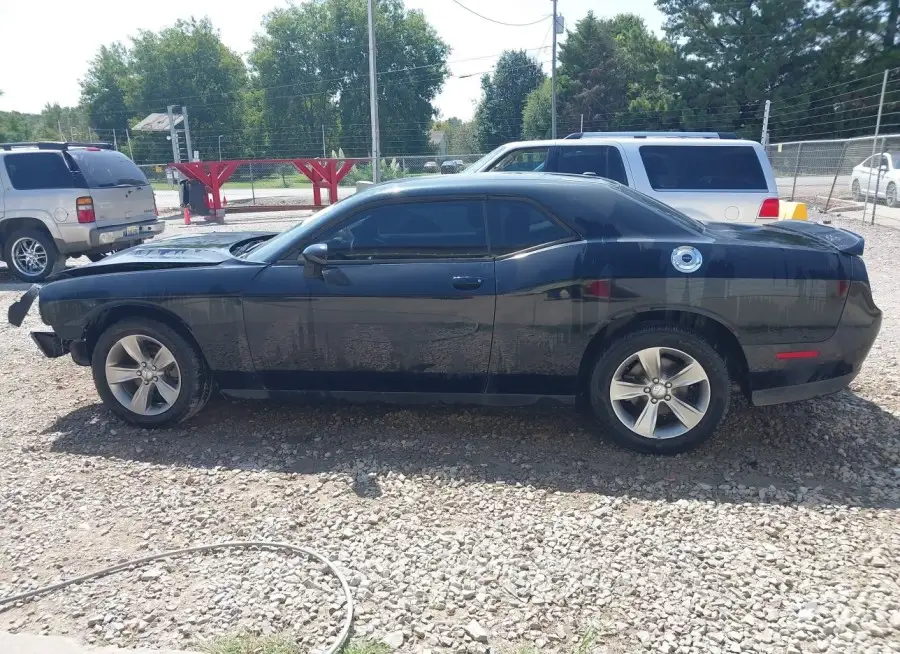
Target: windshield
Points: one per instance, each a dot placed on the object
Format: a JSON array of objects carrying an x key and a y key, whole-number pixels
[
  {"x": 272, "y": 249},
  {"x": 107, "y": 169},
  {"x": 478, "y": 165}
]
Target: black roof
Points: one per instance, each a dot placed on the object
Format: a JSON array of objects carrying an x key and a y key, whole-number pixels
[{"x": 517, "y": 183}]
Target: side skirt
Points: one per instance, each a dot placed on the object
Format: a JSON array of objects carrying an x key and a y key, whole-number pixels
[{"x": 361, "y": 397}]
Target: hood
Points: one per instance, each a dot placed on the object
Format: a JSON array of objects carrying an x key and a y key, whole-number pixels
[{"x": 179, "y": 252}]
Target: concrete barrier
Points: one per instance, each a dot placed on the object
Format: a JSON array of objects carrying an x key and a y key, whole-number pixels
[
  {"x": 792, "y": 211},
  {"x": 362, "y": 185}
]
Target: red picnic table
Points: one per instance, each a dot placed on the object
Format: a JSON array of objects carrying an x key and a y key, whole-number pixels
[{"x": 323, "y": 173}]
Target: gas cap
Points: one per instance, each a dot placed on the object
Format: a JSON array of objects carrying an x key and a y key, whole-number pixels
[{"x": 733, "y": 213}]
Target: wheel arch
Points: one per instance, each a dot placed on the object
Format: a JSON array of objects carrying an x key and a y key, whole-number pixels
[
  {"x": 12, "y": 225},
  {"x": 721, "y": 336},
  {"x": 110, "y": 314}
]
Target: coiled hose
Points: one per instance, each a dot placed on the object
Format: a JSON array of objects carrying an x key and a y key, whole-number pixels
[{"x": 266, "y": 545}]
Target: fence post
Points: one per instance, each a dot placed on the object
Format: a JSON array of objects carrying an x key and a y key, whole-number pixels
[
  {"x": 877, "y": 180},
  {"x": 875, "y": 149},
  {"x": 796, "y": 169},
  {"x": 252, "y": 185},
  {"x": 837, "y": 171}
]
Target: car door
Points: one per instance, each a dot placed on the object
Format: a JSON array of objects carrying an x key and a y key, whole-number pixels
[
  {"x": 544, "y": 304},
  {"x": 404, "y": 304}
]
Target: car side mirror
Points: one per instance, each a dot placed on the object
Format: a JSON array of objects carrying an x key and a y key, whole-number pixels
[{"x": 315, "y": 258}]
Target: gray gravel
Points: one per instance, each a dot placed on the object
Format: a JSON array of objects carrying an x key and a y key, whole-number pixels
[{"x": 461, "y": 530}]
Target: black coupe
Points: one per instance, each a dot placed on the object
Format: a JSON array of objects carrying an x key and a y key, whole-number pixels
[{"x": 500, "y": 289}]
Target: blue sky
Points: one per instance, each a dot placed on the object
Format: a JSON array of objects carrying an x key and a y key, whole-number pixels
[{"x": 46, "y": 45}]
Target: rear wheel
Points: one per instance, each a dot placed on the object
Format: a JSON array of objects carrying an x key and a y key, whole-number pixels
[
  {"x": 660, "y": 389},
  {"x": 30, "y": 254},
  {"x": 148, "y": 374},
  {"x": 890, "y": 197},
  {"x": 856, "y": 191}
]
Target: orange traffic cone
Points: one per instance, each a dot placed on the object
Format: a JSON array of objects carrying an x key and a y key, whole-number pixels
[{"x": 187, "y": 216}]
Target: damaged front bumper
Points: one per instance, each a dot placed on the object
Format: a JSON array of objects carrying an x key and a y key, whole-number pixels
[
  {"x": 49, "y": 343},
  {"x": 16, "y": 313}
]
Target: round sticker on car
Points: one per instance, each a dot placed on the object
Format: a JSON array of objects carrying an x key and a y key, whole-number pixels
[{"x": 687, "y": 259}]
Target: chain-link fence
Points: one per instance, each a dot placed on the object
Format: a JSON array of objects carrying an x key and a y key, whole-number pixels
[
  {"x": 841, "y": 174},
  {"x": 280, "y": 184}
]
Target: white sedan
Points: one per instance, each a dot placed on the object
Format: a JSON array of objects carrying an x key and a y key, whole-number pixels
[{"x": 881, "y": 180}]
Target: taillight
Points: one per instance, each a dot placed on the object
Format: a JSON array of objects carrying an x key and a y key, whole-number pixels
[
  {"x": 155, "y": 208},
  {"x": 85, "y": 208},
  {"x": 770, "y": 208}
]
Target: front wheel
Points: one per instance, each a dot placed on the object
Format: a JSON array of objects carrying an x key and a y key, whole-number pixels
[
  {"x": 148, "y": 374},
  {"x": 890, "y": 196},
  {"x": 660, "y": 389},
  {"x": 856, "y": 191}
]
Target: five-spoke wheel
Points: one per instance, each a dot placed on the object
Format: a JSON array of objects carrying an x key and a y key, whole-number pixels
[
  {"x": 149, "y": 374},
  {"x": 660, "y": 389}
]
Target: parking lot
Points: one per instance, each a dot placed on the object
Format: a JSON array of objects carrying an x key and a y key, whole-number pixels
[{"x": 459, "y": 529}]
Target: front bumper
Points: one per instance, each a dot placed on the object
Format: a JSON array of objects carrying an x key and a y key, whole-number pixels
[{"x": 104, "y": 236}]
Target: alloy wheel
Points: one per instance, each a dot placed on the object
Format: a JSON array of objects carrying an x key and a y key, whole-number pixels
[
  {"x": 29, "y": 256},
  {"x": 143, "y": 375},
  {"x": 660, "y": 393}
]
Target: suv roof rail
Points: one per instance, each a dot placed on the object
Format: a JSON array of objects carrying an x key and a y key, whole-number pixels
[
  {"x": 644, "y": 135},
  {"x": 55, "y": 145}
]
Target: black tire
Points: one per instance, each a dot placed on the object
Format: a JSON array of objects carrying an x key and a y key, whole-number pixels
[
  {"x": 196, "y": 380},
  {"x": 890, "y": 197},
  {"x": 856, "y": 191},
  {"x": 656, "y": 336},
  {"x": 44, "y": 241}
]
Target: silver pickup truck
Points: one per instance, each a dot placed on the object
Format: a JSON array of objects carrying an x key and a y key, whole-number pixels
[{"x": 61, "y": 200}]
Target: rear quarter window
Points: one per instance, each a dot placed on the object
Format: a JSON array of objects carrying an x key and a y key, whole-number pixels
[
  {"x": 29, "y": 171},
  {"x": 703, "y": 168},
  {"x": 108, "y": 169}
]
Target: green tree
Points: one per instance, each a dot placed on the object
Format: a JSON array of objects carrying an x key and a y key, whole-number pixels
[
  {"x": 103, "y": 88},
  {"x": 311, "y": 62},
  {"x": 732, "y": 57},
  {"x": 536, "y": 116},
  {"x": 499, "y": 113},
  {"x": 459, "y": 135},
  {"x": 188, "y": 64}
]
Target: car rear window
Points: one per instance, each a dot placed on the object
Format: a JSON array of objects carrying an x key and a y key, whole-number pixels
[
  {"x": 108, "y": 169},
  {"x": 703, "y": 168},
  {"x": 30, "y": 171}
]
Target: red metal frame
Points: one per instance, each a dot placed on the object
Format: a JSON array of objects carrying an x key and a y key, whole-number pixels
[{"x": 323, "y": 173}]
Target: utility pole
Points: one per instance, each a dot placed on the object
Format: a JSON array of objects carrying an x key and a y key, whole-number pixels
[
  {"x": 553, "y": 79},
  {"x": 221, "y": 136},
  {"x": 324, "y": 153},
  {"x": 764, "y": 139},
  {"x": 128, "y": 136},
  {"x": 115, "y": 142},
  {"x": 373, "y": 97}
]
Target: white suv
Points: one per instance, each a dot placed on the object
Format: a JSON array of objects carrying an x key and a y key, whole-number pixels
[
  {"x": 706, "y": 175},
  {"x": 69, "y": 199}
]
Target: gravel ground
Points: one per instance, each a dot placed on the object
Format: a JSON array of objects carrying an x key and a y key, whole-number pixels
[{"x": 460, "y": 530}]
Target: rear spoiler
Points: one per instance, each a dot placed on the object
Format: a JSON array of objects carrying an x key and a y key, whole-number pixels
[{"x": 842, "y": 240}]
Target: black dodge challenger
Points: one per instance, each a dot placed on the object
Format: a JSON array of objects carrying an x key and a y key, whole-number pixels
[{"x": 501, "y": 289}]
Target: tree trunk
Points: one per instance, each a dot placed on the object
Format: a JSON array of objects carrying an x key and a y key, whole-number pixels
[{"x": 890, "y": 33}]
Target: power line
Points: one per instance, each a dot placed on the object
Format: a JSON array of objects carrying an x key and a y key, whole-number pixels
[{"x": 499, "y": 22}]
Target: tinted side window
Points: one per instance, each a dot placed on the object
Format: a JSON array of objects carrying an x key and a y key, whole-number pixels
[
  {"x": 415, "y": 230},
  {"x": 531, "y": 160},
  {"x": 514, "y": 225},
  {"x": 703, "y": 168},
  {"x": 38, "y": 170},
  {"x": 603, "y": 160}
]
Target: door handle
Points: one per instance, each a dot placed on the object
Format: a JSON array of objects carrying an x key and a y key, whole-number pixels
[{"x": 467, "y": 283}]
